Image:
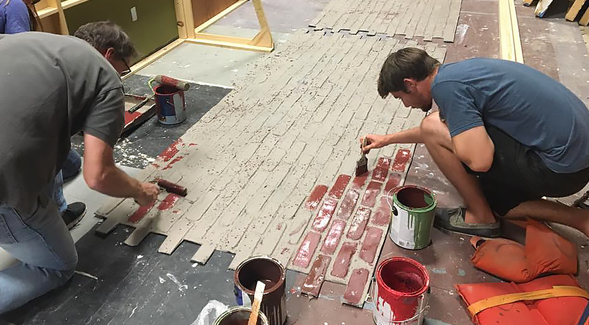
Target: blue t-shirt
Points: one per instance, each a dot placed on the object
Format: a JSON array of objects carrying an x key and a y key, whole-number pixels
[
  {"x": 528, "y": 105},
  {"x": 14, "y": 17}
]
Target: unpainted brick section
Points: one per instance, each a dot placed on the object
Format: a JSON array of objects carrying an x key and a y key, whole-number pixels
[
  {"x": 316, "y": 276},
  {"x": 370, "y": 244},
  {"x": 337, "y": 190},
  {"x": 348, "y": 204},
  {"x": 381, "y": 170},
  {"x": 315, "y": 197},
  {"x": 401, "y": 159},
  {"x": 355, "y": 288},
  {"x": 333, "y": 236},
  {"x": 372, "y": 191},
  {"x": 341, "y": 264},
  {"x": 325, "y": 213},
  {"x": 359, "y": 223},
  {"x": 306, "y": 250}
]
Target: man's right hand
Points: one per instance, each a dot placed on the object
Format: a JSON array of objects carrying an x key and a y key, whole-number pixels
[
  {"x": 148, "y": 194},
  {"x": 373, "y": 141}
]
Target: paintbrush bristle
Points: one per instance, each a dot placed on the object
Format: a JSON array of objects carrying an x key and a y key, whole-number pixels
[{"x": 362, "y": 166}]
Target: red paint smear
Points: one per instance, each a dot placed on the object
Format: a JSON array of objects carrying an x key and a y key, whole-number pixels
[
  {"x": 394, "y": 181},
  {"x": 156, "y": 165},
  {"x": 140, "y": 213},
  {"x": 130, "y": 117},
  {"x": 168, "y": 202},
  {"x": 171, "y": 164},
  {"x": 355, "y": 287},
  {"x": 359, "y": 223},
  {"x": 382, "y": 217},
  {"x": 314, "y": 280},
  {"x": 342, "y": 261},
  {"x": 370, "y": 245},
  {"x": 333, "y": 236},
  {"x": 284, "y": 250},
  {"x": 170, "y": 151},
  {"x": 372, "y": 191},
  {"x": 337, "y": 190},
  {"x": 324, "y": 215},
  {"x": 315, "y": 197},
  {"x": 192, "y": 144},
  {"x": 348, "y": 204},
  {"x": 306, "y": 250},
  {"x": 401, "y": 160},
  {"x": 279, "y": 226},
  {"x": 381, "y": 170},
  {"x": 359, "y": 181}
]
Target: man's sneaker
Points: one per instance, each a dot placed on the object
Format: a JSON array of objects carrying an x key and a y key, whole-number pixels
[{"x": 74, "y": 213}]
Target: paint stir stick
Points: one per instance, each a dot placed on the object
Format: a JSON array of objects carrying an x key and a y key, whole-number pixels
[{"x": 258, "y": 294}]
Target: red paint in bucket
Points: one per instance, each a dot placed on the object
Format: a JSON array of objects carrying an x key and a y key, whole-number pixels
[{"x": 401, "y": 288}]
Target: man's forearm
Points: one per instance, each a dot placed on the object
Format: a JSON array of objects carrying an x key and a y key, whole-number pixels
[
  {"x": 408, "y": 136},
  {"x": 115, "y": 182}
]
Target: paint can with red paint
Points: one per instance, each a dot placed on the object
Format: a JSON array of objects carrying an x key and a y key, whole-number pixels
[
  {"x": 401, "y": 292},
  {"x": 170, "y": 104},
  {"x": 239, "y": 316},
  {"x": 273, "y": 274}
]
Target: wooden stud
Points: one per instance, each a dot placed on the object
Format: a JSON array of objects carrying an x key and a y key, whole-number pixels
[
  {"x": 141, "y": 64},
  {"x": 70, "y": 3},
  {"x": 511, "y": 48},
  {"x": 584, "y": 19},
  {"x": 574, "y": 10}
]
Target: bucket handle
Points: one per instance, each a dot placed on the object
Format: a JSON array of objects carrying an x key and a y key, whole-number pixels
[{"x": 389, "y": 199}]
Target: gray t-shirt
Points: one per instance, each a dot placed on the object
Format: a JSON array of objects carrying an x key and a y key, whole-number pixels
[
  {"x": 51, "y": 87},
  {"x": 528, "y": 105}
]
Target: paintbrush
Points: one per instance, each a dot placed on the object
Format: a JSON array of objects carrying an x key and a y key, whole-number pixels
[
  {"x": 362, "y": 163},
  {"x": 258, "y": 294}
]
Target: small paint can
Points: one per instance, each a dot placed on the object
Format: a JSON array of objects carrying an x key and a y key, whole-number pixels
[
  {"x": 273, "y": 274},
  {"x": 412, "y": 219},
  {"x": 170, "y": 104},
  {"x": 239, "y": 316},
  {"x": 401, "y": 292}
]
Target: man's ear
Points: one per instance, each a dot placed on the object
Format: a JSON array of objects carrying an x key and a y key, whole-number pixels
[
  {"x": 410, "y": 84},
  {"x": 109, "y": 54}
]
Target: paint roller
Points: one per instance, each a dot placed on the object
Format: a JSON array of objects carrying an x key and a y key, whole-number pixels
[
  {"x": 169, "y": 81},
  {"x": 172, "y": 187}
]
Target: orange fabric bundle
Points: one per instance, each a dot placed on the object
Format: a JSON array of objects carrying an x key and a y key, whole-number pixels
[{"x": 545, "y": 252}]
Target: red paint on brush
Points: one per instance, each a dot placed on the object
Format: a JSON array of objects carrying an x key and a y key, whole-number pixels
[
  {"x": 314, "y": 280},
  {"x": 324, "y": 215},
  {"x": 359, "y": 181},
  {"x": 342, "y": 261},
  {"x": 359, "y": 223},
  {"x": 381, "y": 170},
  {"x": 130, "y": 117},
  {"x": 171, "y": 151},
  {"x": 315, "y": 197},
  {"x": 306, "y": 250},
  {"x": 169, "y": 201},
  {"x": 372, "y": 191},
  {"x": 333, "y": 236},
  {"x": 382, "y": 217},
  {"x": 337, "y": 190},
  {"x": 401, "y": 159},
  {"x": 355, "y": 288},
  {"x": 348, "y": 204},
  {"x": 370, "y": 245},
  {"x": 140, "y": 213},
  {"x": 171, "y": 164},
  {"x": 394, "y": 181}
]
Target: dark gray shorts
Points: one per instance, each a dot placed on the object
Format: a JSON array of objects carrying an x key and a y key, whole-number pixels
[{"x": 519, "y": 175}]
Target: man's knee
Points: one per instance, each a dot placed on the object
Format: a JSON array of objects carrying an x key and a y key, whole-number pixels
[{"x": 432, "y": 126}]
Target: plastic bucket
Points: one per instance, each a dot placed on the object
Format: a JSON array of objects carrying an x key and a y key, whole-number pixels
[
  {"x": 239, "y": 316},
  {"x": 413, "y": 212},
  {"x": 170, "y": 104},
  {"x": 401, "y": 292},
  {"x": 272, "y": 273}
]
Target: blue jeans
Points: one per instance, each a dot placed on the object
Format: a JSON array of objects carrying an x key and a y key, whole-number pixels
[
  {"x": 70, "y": 167},
  {"x": 44, "y": 247}
]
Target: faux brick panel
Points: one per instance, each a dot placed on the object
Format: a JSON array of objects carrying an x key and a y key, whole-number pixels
[
  {"x": 355, "y": 288},
  {"x": 359, "y": 181},
  {"x": 348, "y": 204},
  {"x": 315, "y": 197},
  {"x": 401, "y": 159},
  {"x": 168, "y": 202},
  {"x": 394, "y": 181},
  {"x": 325, "y": 213},
  {"x": 337, "y": 190},
  {"x": 359, "y": 223},
  {"x": 140, "y": 213},
  {"x": 306, "y": 250},
  {"x": 372, "y": 191},
  {"x": 370, "y": 244},
  {"x": 381, "y": 170},
  {"x": 342, "y": 261},
  {"x": 316, "y": 276},
  {"x": 382, "y": 216},
  {"x": 333, "y": 236}
]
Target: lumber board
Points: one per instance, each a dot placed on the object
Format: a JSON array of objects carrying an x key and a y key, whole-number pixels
[{"x": 574, "y": 10}]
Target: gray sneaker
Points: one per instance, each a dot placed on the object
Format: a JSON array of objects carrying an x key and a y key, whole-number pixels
[{"x": 453, "y": 220}]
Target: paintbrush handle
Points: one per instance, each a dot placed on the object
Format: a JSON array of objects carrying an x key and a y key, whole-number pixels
[{"x": 258, "y": 295}]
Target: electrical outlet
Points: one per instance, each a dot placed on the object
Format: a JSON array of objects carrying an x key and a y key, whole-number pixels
[{"x": 133, "y": 14}]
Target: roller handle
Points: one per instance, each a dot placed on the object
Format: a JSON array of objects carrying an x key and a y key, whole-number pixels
[{"x": 169, "y": 81}]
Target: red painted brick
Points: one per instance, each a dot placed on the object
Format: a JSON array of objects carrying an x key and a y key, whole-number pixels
[
  {"x": 381, "y": 170},
  {"x": 359, "y": 181},
  {"x": 355, "y": 288},
  {"x": 171, "y": 151},
  {"x": 372, "y": 191},
  {"x": 169, "y": 201},
  {"x": 130, "y": 117},
  {"x": 333, "y": 236},
  {"x": 370, "y": 245},
  {"x": 325, "y": 213},
  {"x": 315, "y": 197},
  {"x": 174, "y": 161},
  {"x": 140, "y": 213},
  {"x": 393, "y": 182},
  {"x": 314, "y": 280},
  {"x": 382, "y": 216},
  {"x": 337, "y": 190},
  {"x": 342, "y": 261},
  {"x": 401, "y": 159},
  {"x": 306, "y": 250},
  {"x": 348, "y": 204},
  {"x": 359, "y": 223}
]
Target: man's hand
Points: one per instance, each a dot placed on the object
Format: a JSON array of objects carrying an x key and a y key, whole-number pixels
[
  {"x": 148, "y": 194},
  {"x": 374, "y": 141}
]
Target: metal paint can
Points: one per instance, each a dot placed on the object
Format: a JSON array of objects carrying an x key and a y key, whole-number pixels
[
  {"x": 273, "y": 274},
  {"x": 412, "y": 219},
  {"x": 239, "y": 316},
  {"x": 170, "y": 104}
]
